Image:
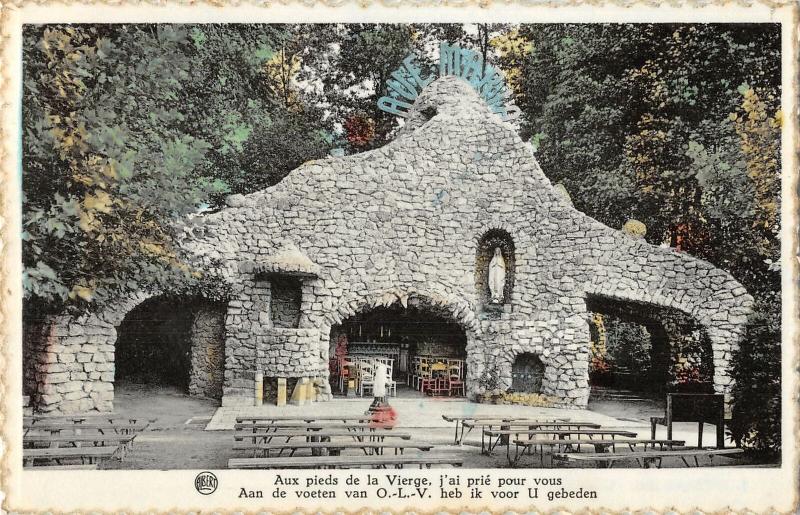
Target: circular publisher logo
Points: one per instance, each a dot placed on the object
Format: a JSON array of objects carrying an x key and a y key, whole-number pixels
[{"x": 205, "y": 483}]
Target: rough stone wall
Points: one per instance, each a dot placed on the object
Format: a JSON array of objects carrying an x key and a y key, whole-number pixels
[
  {"x": 75, "y": 366},
  {"x": 248, "y": 312},
  {"x": 403, "y": 222},
  {"x": 440, "y": 349},
  {"x": 208, "y": 353},
  {"x": 286, "y": 352}
]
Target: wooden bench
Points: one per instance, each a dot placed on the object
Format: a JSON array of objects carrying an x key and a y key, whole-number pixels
[
  {"x": 54, "y": 441},
  {"x": 646, "y": 459},
  {"x": 102, "y": 428},
  {"x": 57, "y": 454},
  {"x": 693, "y": 407},
  {"x": 562, "y": 434},
  {"x": 333, "y": 448},
  {"x": 600, "y": 446},
  {"x": 308, "y": 426},
  {"x": 82, "y": 419},
  {"x": 531, "y": 423},
  {"x": 459, "y": 420},
  {"x": 332, "y": 462},
  {"x": 83, "y": 466},
  {"x": 361, "y": 436},
  {"x": 523, "y": 423},
  {"x": 288, "y": 418}
]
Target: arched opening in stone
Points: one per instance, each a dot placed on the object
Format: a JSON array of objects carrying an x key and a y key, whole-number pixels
[
  {"x": 646, "y": 349},
  {"x": 175, "y": 343},
  {"x": 415, "y": 336},
  {"x": 286, "y": 299},
  {"x": 527, "y": 373},
  {"x": 485, "y": 251}
]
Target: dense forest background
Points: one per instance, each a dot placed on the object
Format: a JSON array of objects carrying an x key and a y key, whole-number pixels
[{"x": 130, "y": 127}]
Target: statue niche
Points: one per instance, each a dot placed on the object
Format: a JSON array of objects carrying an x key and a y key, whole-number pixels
[
  {"x": 494, "y": 269},
  {"x": 497, "y": 277}
]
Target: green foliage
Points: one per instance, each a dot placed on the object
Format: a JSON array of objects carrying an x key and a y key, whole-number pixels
[
  {"x": 628, "y": 346},
  {"x": 106, "y": 160},
  {"x": 756, "y": 421},
  {"x": 367, "y": 55},
  {"x": 128, "y": 128},
  {"x": 677, "y": 126},
  {"x": 246, "y": 92}
]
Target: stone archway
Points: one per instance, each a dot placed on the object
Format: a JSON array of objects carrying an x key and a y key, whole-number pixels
[
  {"x": 174, "y": 342},
  {"x": 665, "y": 349},
  {"x": 449, "y": 310},
  {"x": 75, "y": 357}
]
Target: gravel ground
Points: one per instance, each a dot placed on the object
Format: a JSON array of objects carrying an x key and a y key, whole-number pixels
[{"x": 176, "y": 439}]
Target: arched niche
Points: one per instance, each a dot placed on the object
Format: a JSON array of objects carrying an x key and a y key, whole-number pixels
[
  {"x": 527, "y": 373},
  {"x": 490, "y": 240}
]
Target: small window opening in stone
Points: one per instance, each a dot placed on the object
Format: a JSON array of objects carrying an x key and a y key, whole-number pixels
[
  {"x": 429, "y": 112},
  {"x": 527, "y": 373},
  {"x": 285, "y": 305}
]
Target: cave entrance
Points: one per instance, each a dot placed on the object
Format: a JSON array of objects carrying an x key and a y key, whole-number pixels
[{"x": 426, "y": 347}]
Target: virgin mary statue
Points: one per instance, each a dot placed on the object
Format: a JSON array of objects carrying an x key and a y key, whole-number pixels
[{"x": 497, "y": 276}]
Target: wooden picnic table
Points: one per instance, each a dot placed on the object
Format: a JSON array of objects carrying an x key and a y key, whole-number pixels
[
  {"x": 562, "y": 434},
  {"x": 460, "y": 419},
  {"x": 103, "y": 427},
  {"x": 375, "y": 461},
  {"x": 600, "y": 446},
  {"x": 57, "y": 454},
  {"x": 646, "y": 459},
  {"x": 308, "y": 426},
  {"x": 311, "y": 418},
  {"x": 81, "y": 419},
  {"x": 332, "y": 447},
  {"x": 360, "y": 436},
  {"x": 30, "y": 441},
  {"x": 530, "y": 424}
]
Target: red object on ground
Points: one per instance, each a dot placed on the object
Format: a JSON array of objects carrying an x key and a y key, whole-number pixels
[{"x": 383, "y": 416}]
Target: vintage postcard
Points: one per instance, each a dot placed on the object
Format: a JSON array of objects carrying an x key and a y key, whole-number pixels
[{"x": 319, "y": 258}]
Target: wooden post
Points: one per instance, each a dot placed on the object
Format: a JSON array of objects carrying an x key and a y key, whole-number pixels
[
  {"x": 258, "y": 388},
  {"x": 300, "y": 390},
  {"x": 281, "y": 391},
  {"x": 311, "y": 392}
]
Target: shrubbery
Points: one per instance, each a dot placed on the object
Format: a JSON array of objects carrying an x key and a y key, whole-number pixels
[{"x": 756, "y": 414}]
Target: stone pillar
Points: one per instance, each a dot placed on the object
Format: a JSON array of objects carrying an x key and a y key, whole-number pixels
[
  {"x": 207, "y": 352},
  {"x": 75, "y": 366},
  {"x": 246, "y": 318}
]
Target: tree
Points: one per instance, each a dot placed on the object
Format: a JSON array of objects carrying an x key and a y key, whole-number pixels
[
  {"x": 367, "y": 55},
  {"x": 128, "y": 128},
  {"x": 255, "y": 101},
  {"x": 676, "y": 126},
  {"x": 107, "y": 165}
]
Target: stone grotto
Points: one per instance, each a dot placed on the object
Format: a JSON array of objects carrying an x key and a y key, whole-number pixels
[{"x": 411, "y": 229}]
